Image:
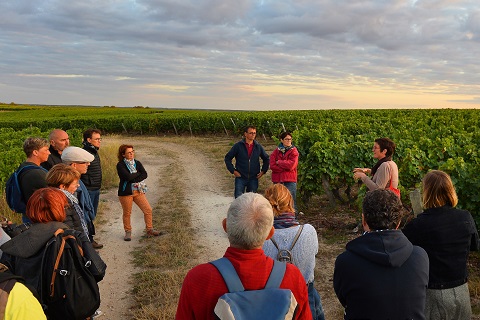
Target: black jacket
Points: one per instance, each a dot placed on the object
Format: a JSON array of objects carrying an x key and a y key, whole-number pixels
[
  {"x": 248, "y": 167},
  {"x": 93, "y": 177},
  {"x": 53, "y": 159},
  {"x": 382, "y": 275},
  {"x": 31, "y": 180},
  {"x": 23, "y": 253},
  {"x": 127, "y": 178},
  {"x": 448, "y": 235}
]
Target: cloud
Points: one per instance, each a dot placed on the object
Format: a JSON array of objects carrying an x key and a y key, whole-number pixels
[{"x": 223, "y": 50}]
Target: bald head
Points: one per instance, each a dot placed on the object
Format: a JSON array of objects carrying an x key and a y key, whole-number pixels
[{"x": 59, "y": 140}]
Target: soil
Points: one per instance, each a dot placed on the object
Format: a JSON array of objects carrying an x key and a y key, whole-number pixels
[{"x": 204, "y": 195}]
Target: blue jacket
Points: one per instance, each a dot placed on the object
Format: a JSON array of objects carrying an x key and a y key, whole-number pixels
[
  {"x": 248, "y": 167},
  {"x": 85, "y": 202}
]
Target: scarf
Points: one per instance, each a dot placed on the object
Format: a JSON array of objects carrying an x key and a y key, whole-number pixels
[
  {"x": 74, "y": 201},
  {"x": 285, "y": 220},
  {"x": 132, "y": 167},
  {"x": 284, "y": 149},
  {"x": 379, "y": 162}
]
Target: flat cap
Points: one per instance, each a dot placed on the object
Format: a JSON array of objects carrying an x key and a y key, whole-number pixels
[{"x": 76, "y": 154}]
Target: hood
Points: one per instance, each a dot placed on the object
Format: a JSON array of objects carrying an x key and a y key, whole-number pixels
[
  {"x": 27, "y": 243},
  {"x": 387, "y": 248}
]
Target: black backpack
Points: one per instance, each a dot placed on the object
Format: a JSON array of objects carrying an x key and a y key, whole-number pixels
[
  {"x": 68, "y": 289},
  {"x": 284, "y": 254},
  {"x": 13, "y": 192}
]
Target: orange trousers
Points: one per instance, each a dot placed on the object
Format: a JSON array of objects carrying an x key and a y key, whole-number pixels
[{"x": 141, "y": 200}]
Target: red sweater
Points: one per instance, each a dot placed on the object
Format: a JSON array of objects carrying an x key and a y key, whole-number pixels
[
  {"x": 284, "y": 166},
  {"x": 203, "y": 285}
]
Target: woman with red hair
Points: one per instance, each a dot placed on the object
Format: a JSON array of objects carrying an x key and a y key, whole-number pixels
[{"x": 23, "y": 254}]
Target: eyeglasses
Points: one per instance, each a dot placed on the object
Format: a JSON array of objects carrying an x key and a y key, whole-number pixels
[
  {"x": 287, "y": 139},
  {"x": 130, "y": 152}
]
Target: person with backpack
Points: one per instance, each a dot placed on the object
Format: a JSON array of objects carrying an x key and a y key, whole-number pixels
[
  {"x": 58, "y": 262},
  {"x": 248, "y": 224},
  {"x": 30, "y": 176},
  {"x": 293, "y": 242}
]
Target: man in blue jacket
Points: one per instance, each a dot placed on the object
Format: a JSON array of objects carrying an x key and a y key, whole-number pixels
[{"x": 247, "y": 154}]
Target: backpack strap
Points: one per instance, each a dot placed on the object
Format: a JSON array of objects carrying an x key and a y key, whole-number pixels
[
  {"x": 57, "y": 262},
  {"x": 226, "y": 269},
  {"x": 299, "y": 232},
  {"x": 276, "y": 275},
  {"x": 294, "y": 239},
  {"x": 234, "y": 284}
]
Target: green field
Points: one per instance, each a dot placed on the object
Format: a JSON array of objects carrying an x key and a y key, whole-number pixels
[{"x": 331, "y": 142}]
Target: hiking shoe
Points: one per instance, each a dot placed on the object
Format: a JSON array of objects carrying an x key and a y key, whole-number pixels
[
  {"x": 153, "y": 233},
  {"x": 128, "y": 236},
  {"x": 96, "y": 245}
]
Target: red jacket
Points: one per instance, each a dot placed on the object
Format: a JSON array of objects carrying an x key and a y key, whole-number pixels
[
  {"x": 284, "y": 165},
  {"x": 203, "y": 285}
]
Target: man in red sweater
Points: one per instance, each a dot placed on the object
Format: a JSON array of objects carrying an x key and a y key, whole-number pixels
[{"x": 248, "y": 224}]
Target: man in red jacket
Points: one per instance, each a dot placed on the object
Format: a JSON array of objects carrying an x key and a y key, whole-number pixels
[{"x": 248, "y": 224}]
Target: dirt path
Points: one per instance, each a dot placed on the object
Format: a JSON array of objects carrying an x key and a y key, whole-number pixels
[{"x": 203, "y": 195}]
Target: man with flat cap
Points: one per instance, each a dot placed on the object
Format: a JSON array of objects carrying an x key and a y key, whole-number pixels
[{"x": 80, "y": 159}]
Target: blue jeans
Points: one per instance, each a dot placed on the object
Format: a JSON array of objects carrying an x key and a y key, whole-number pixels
[
  {"x": 292, "y": 187},
  {"x": 315, "y": 303},
  {"x": 251, "y": 185}
]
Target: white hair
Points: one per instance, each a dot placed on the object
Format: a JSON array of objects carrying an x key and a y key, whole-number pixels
[{"x": 249, "y": 221}]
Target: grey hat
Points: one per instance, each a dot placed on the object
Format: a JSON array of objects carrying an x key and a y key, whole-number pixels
[{"x": 76, "y": 154}]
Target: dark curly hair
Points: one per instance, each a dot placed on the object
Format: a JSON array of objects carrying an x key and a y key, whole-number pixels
[{"x": 382, "y": 209}]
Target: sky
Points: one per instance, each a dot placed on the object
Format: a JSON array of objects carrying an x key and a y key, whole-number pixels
[{"x": 241, "y": 54}]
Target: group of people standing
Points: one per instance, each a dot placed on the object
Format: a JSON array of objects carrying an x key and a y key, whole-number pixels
[
  {"x": 419, "y": 272},
  {"x": 61, "y": 186},
  {"x": 247, "y": 169}
]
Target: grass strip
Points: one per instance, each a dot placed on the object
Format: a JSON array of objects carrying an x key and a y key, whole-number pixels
[{"x": 165, "y": 260}]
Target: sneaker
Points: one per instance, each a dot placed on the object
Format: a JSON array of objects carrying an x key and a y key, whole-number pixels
[
  {"x": 97, "y": 313},
  {"x": 128, "y": 236},
  {"x": 153, "y": 233},
  {"x": 96, "y": 245}
]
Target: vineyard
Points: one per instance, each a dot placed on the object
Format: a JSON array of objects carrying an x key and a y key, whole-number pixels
[{"x": 331, "y": 142}]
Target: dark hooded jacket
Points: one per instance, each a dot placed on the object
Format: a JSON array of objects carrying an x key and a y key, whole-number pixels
[
  {"x": 382, "y": 276},
  {"x": 23, "y": 253}
]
